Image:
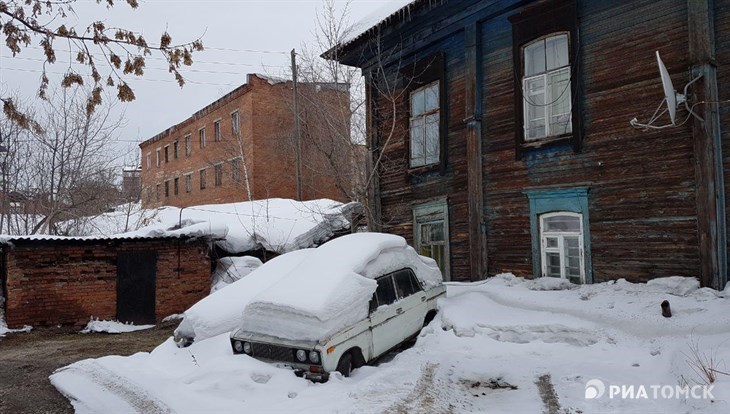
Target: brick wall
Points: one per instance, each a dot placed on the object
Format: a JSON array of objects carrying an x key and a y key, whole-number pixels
[
  {"x": 265, "y": 146},
  {"x": 69, "y": 282}
]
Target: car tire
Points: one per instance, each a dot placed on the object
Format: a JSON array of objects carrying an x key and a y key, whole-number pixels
[{"x": 345, "y": 365}]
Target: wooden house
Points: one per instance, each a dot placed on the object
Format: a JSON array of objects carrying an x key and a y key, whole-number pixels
[{"x": 499, "y": 136}]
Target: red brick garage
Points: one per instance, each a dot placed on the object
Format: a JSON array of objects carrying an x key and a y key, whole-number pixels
[{"x": 57, "y": 280}]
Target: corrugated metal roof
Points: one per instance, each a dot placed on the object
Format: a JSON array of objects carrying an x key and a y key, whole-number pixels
[{"x": 7, "y": 239}]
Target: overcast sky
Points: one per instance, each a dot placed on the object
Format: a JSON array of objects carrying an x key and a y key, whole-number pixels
[{"x": 240, "y": 37}]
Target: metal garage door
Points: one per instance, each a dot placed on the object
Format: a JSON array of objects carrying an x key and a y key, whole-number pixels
[{"x": 136, "y": 280}]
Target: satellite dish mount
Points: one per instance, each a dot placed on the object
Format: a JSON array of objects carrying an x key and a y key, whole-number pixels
[{"x": 672, "y": 99}]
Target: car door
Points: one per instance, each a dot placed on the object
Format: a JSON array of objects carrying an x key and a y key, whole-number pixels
[
  {"x": 411, "y": 301},
  {"x": 384, "y": 324}
]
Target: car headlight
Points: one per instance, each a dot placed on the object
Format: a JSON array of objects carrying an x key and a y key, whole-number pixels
[
  {"x": 301, "y": 355},
  {"x": 238, "y": 346},
  {"x": 314, "y": 357},
  {"x": 247, "y": 348}
]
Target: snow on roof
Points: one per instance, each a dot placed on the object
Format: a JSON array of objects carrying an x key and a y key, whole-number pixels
[
  {"x": 278, "y": 225},
  {"x": 331, "y": 288},
  {"x": 379, "y": 16}
]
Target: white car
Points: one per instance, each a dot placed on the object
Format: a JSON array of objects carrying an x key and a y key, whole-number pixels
[{"x": 347, "y": 303}]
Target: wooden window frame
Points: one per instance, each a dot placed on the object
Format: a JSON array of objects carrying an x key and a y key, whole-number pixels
[
  {"x": 560, "y": 236},
  {"x": 429, "y": 213},
  {"x": 531, "y": 24},
  {"x": 424, "y": 72}
]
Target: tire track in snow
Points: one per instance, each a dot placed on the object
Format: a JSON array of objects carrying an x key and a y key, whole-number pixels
[
  {"x": 137, "y": 398},
  {"x": 426, "y": 397}
]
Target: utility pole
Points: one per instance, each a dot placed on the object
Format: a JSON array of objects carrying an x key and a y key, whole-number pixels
[{"x": 297, "y": 126}]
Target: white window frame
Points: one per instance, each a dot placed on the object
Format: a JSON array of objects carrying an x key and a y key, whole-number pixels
[
  {"x": 546, "y": 91},
  {"x": 149, "y": 160},
  {"x": 235, "y": 122},
  {"x": 560, "y": 249},
  {"x": 236, "y": 164},
  {"x": 422, "y": 118},
  {"x": 203, "y": 179},
  {"x": 430, "y": 213},
  {"x": 201, "y": 135},
  {"x": 158, "y": 151}
]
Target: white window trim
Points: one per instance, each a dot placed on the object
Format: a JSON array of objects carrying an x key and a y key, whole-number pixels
[
  {"x": 424, "y": 162},
  {"x": 158, "y": 152},
  {"x": 436, "y": 207},
  {"x": 188, "y": 144},
  {"x": 526, "y": 102},
  {"x": 149, "y": 160},
  {"x": 219, "y": 137},
  {"x": 560, "y": 249},
  {"x": 201, "y": 137},
  {"x": 237, "y": 129}
]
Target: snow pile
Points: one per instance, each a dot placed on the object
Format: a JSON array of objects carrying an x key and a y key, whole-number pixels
[
  {"x": 331, "y": 288},
  {"x": 231, "y": 269},
  {"x": 496, "y": 346},
  {"x": 278, "y": 225},
  {"x": 112, "y": 327},
  {"x": 220, "y": 312}
]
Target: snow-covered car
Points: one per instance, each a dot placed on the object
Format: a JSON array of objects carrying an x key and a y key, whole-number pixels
[
  {"x": 220, "y": 312},
  {"x": 345, "y": 304}
]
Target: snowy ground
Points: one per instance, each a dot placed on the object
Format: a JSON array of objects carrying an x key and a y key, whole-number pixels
[
  {"x": 504, "y": 346},
  {"x": 112, "y": 327}
]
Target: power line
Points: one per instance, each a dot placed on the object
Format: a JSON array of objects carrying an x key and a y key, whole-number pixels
[
  {"x": 139, "y": 78},
  {"x": 165, "y": 60}
]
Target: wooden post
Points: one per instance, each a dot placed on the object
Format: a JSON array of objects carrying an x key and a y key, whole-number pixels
[
  {"x": 706, "y": 136},
  {"x": 473, "y": 122}
]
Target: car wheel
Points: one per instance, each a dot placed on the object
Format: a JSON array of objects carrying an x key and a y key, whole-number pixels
[{"x": 345, "y": 365}]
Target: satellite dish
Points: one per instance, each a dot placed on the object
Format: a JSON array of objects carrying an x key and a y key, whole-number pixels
[
  {"x": 672, "y": 99},
  {"x": 670, "y": 95}
]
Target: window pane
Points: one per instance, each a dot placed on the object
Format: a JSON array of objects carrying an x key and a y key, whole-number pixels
[
  {"x": 432, "y": 138},
  {"x": 556, "y": 50},
  {"x": 559, "y": 86},
  {"x": 551, "y": 242},
  {"x": 534, "y": 95},
  {"x": 572, "y": 256},
  {"x": 403, "y": 283},
  {"x": 385, "y": 291},
  {"x": 561, "y": 224},
  {"x": 417, "y": 103},
  {"x": 417, "y": 142},
  {"x": 535, "y": 58},
  {"x": 432, "y": 97},
  {"x": 553, "y": 264},
  {"x": 415, "y": 283}
]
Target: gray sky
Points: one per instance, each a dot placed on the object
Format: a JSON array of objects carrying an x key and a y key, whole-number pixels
[{"x": 240, "y": 37}]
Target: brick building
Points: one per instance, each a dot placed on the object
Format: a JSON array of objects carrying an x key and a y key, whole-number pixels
[
  {"x": 49, "y": 280},
  {"x": 242, "y": 147}
]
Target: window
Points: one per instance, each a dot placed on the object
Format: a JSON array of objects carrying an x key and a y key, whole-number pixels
[
  {"x": 561, "y": 237},
  {"x": 188, "y": 148},
  {"x": 175, "y": 149},
  {"x": 158, "y": 157},
  {"x": 176, "y": 185},
  {"x": 218, "y": 174},
  {"x": 167, "y": 188},
  {"x": 188, "y": 183},
  {"x": 167, "y": 153},
  {"x": 217, "y": 130},
  {"x": 431, "y": 233},
  {"x": 425, "y": 125},
  {"x": 546, "y": 88},
  {"x": 560, "y": 233},
  {"x": 201, "y": 132},
  {"x": 149, "y": 160},
  {"x": 406, "y": 283},
  {"x": 202, "y": 179},
  {"x": 384, "y": 294},
  {"x": 235, "y": 123},
  {"x": 158, "y": 190},
  {"x": 236, "y": 169},
  {"x": 545, "y": 47}
]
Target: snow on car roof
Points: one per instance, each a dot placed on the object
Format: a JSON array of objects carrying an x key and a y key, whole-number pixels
[{"x": 331, "y": 288}]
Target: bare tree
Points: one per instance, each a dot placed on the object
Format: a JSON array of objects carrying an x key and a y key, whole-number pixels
[
  {"x": 66, "y": 171},
  {"x": 120, "y": 50}
]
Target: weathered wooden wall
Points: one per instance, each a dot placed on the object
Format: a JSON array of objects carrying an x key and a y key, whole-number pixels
[
  {"x": 722, "y": 49},
  {"x": 643, "y": 215}
]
